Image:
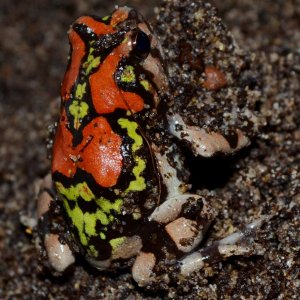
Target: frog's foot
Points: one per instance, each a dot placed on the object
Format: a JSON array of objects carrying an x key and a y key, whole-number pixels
[
  {"x": 239, "y": 243},
  {"x": 59, "y": 254},
  {"x": 185, "y": 219},
  {"x": 205, "y": 143}
]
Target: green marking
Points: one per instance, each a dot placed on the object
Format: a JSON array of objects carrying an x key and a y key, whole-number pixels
[
  {"x": 115, "y": 243},
  {"x": 128, "y": 75},
  {"x": 78, "y": 110},
  {"x": 73, "y": 192},
  {"x": 91, "y": 62},
  {"x": 145, "y": 84},
  {"x": 107, "y": 206},
  {"x": 80, "y": 90},
  {"x": 139, "y": 183},
  {"x": 92, "y": 251},
  {"x": 105, "y": 18},
  {"x": 102, "y": 217},
  {"x": 90, "y": 223},
  {"x": 131, "y": 128},
  {"x": 77, "y": 218},
  {"x": 86, "y": 222}
]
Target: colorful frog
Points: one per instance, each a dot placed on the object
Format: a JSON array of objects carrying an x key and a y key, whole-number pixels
[{"x": 119, "y": 176}]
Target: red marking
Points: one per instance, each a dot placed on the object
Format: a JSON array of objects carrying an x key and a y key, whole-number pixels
[
  {"x": 96, "y": 26},
  {"x": 119, "y": 16},
  {"x": 78, "y": 51},
  {"x": 98, "y": 154},
  {"x": 107, "y": 97}
]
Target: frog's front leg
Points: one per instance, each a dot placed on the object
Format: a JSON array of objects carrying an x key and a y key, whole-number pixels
[
  {"x": 205, "y": 143},
  {"x": 59, "y": 254}
]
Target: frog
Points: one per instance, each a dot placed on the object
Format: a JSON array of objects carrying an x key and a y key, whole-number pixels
[{"x": 118, "y": 175}]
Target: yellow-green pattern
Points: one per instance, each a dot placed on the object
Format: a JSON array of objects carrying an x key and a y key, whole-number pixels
[
  {"x": 85, "y": 222},
  {"x": 91, "y": 62},
  {"x": 139, "y": 183},
  {"x": 79, "y": 109},
  {"x": 128, "y": 75}
]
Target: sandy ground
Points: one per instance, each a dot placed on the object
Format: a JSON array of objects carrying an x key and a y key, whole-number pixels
[{"x": 262, "y": 179}]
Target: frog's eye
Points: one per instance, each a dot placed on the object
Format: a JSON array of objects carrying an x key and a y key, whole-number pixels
[{"x": 141, "y": 44}]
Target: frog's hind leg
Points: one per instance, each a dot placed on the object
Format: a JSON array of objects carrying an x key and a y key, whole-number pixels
[
  {"x": 59, "y": 254},
  {"x": 239, "y": 243},
  {"x": 186, "y": 216},
  {"x": 183, "y": 221},
  {"x": 183, "y": 218}
]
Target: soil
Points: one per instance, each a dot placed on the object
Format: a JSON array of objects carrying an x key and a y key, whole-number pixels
[{"x": 261, "y": 63}]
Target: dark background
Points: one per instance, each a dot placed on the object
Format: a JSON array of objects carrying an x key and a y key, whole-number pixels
[{"x": 33, "y": 52}]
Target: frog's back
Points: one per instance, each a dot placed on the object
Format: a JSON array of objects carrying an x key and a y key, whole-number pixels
[{"x": 103, "y": 167}]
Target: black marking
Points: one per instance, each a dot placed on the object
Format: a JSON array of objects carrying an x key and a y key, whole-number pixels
[
  {"x": 100, "y": 19},
  {"x": 84, "y": 32},
  {"x": 86, "y": 206},
  {"x": 105, "y": 43},
  {"x": 232, "y": 138},
  {"x": 157, "y": 240},
  {"x": 136, "y": 87},
  {"x": 49, "y": 191},
  {"x": 89, "y": 140},
  {"x": 72, "y": 204},
  {"x": 77, "y": 134},
  {"x": 83, "y": 176},
  {"x": 99, "y": 227},
  {"x": 192, "y": 209},
  {"x": 211, "y": 254},
  {"x": 102, "y": 246},
  {"x": 44, "y": 224}
]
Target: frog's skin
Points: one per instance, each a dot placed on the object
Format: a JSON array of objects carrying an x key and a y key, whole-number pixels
[{"x": 117, "y": 172}]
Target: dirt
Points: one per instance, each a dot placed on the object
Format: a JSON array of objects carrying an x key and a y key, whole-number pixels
[{"x": 263, "y": 75}]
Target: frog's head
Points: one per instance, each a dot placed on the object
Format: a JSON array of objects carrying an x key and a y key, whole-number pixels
[{"x": 125, "y": 47}]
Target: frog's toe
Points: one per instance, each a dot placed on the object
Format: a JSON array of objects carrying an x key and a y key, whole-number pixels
[
  {"x": 216, "y": 253},
  {"x": 60, "y": 256},
  {"x": 187, "y": 217},
  {"x": 142, "y": 269},
  {"x": 205, "y": 143},
  {"x": 185, "y": 233},
  {"x": 238, "y": 243}
]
